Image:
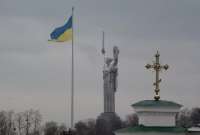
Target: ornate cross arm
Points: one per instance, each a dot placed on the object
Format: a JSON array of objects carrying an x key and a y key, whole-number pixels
[{"x": 157, "y": 67}]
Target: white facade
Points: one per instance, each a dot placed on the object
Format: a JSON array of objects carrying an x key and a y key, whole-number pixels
[{"x": 157, "y": 116}]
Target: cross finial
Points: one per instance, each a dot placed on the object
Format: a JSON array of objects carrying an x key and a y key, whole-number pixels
[{"x": 157, "y": 67}]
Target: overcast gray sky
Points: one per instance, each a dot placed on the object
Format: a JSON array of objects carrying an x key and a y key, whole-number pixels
[{"x": 36, "y": 74}]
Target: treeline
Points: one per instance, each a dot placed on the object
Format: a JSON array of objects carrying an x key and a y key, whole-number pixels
[
  {"x": 23, "y": 123},
  {"x": 188, "y": 118},
  {"x": 30, "y": 123}
]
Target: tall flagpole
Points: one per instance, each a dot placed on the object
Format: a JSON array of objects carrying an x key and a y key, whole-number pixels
[{"x": 72, "y": 75}]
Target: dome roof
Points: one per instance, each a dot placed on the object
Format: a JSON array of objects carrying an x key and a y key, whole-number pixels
[{"x": 154, "y": 103}]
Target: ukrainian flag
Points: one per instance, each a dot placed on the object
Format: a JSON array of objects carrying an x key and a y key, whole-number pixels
[{"x": 63, "y": 33}]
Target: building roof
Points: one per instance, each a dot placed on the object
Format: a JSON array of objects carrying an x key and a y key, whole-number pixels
[
  {"x": 152, "y": 129},
  {"x": 154, "y": 103}
]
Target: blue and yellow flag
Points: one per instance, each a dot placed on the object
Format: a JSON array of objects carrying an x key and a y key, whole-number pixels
[{"x": 63, "y": 33}]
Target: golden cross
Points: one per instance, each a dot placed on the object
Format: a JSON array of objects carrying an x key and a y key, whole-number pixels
[{"x": 157, "y": 67}]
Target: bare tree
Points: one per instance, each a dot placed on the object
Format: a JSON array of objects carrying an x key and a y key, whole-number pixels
[
  {"x": 32, "y": 121},
  {"x": 195, "y": 116},
  {"x": 10, "y": 123},
  {"x": 24, "y": 123},
  {"x": 27, "y": 121},
  {"x": 183, "y": 118},
  {"x": 3, "y": 123},
  {"x": 20, "y": 122},
  {"x": 7, "y": 126},
  {"x": 37, "y": 118}
]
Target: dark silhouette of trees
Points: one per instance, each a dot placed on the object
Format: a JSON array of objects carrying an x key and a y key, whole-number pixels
[
  {"x": 3, "y": 123},
  {"x": 184, "y": 119},
  {"x": 7, "y": 123},
  {"x": 85, "y": 128},
  {"x": 51, "y": 128},
  {"x": 132, "y": 120},
  {"x": 32, "y": 120},
  {"x": 29, "y": 123},
  {"x": 36, "y": 118},
  {"x": 81, "y": 128},
  {"x": 195, "y": 116},
  {"x": 19, "y": 120},
  {"x": 24, "y": 123}
]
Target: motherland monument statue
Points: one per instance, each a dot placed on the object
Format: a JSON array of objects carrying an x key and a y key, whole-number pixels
[
  {"x": 110, "y": 73},
  {"x": 109, "y": 119}
]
